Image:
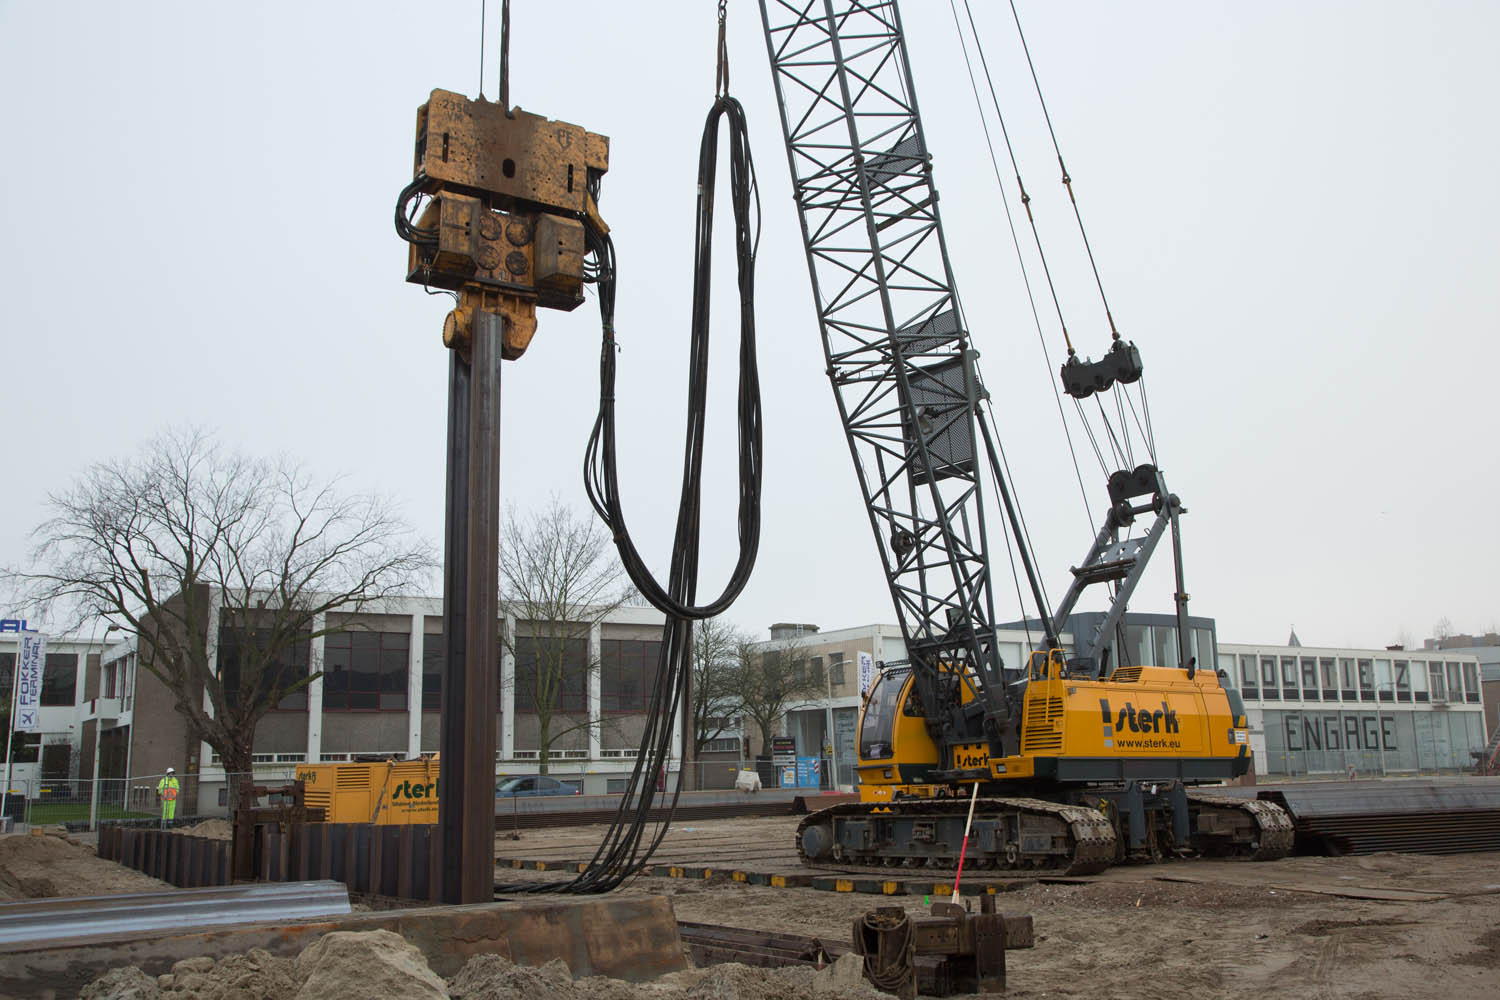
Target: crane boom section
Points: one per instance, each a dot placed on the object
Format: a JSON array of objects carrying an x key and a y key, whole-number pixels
[{"x": 898, "y": 354}]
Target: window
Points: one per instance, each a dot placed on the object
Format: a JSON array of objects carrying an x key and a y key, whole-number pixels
[
  {"x": 1403, "y": 680},
  {"x": 1289, "y": 678},
  {"x": 835, "y": 668},
  {"x": 1455, "y": 682},
  {"x": 112, "y": 678},
  {"x": 1268, "y": 675},
  {"x": 432, "y": 672},
  {"x": 59, "y": 678},
  {"x": 1165, "y": 637},
  {"x": 1248, "y": 686},
  {"x": 1310, "y": 678},
  {"x": 552, "y": 671},
  {"x": 365, "y": 671},
  {"x": 1366, "y": 680},
  {"x": 1420, "y": 681},
  {"x": 1205, "y": 645},
  {"x": 1346, "y": 672},
  {"x": 25, "y": 748},
  {"x": 290, "y": 668},
  {"x": 1435, "y": 682},
  {"x": 799, "y": 673},
  {"x": 815, "y": 672},
  {"x": 1385, "y": 685},
  {"x": 1471, "y": 682},
  {"x": 628, "y": 669},
  {"x": 724, "y": 744},
  {"x": 1329, "y": 669}
]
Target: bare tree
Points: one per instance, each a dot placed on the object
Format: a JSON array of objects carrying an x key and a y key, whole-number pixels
[
  {"x": 158, "y": 542},
  {"x": 764, "y": 682},
  {"x": 1442, "y": 629},
  {"x": 558, "y": 577},
  {"x": 716, "y": 649}
]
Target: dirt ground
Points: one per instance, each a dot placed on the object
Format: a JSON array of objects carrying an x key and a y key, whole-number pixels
[
  {"x": 1382, "y": 925},
  {"x": 50, "y": 863}
]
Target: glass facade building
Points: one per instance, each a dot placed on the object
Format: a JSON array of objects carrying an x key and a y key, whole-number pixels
[{"x": 1389, "y": 711}]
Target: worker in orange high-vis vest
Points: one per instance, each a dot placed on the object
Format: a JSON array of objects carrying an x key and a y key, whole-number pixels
[{"x": 166, "y": 791}]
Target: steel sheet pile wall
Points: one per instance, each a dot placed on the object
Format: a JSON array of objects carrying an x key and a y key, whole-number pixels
[
  {"x": 179, "y": 858},
  {"x": 395, "y": 861},
  {"x": 1365, "y": 818}
]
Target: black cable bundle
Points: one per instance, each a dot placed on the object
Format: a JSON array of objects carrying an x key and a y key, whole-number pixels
[{"x": 626, "y": 847}]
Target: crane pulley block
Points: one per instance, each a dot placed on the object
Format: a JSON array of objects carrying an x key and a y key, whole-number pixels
[{"x": 1121, "y": 363}]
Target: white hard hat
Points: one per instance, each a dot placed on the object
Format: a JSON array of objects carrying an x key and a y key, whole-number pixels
[{"x": 169, "y": 770}]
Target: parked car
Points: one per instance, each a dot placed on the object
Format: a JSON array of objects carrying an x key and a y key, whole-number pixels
[{"x": 537, "y": 784}]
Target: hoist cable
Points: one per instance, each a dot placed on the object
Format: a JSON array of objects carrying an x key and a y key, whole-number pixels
[
  {"x": 1067, "y": 180},
  {"x": 1025, "y": 197},
  {"x": 1015, "y": 242},
  {"x": 505, "y": 56}
]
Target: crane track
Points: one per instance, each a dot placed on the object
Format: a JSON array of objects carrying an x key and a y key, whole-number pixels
[
  {"x": 1093, "y": 838},
  {"x": 1275, "y": 826}
]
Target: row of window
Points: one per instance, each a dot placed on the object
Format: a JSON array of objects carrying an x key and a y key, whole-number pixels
[
  {"x": 59, "y": 677},
  {"x": 1352, "y": 678},
  {"x": 368, "y": 672}
]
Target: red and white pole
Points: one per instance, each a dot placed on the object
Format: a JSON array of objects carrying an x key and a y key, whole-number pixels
[{"x": 964, "y": 849}]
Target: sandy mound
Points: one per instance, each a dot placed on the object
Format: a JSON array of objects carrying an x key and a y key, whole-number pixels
[
  {"x": 212, "y": 829},
  {"x": 128, "y": 983},
  {"x": 383, "y": 964},
  {"x": 256, "y": 975}
]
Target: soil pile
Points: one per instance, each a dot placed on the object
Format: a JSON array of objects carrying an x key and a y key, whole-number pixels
[
  {"x": 212, "y": 829},
  {"x": 40, "y": 865},
  {"x": 378, "y": 963}
]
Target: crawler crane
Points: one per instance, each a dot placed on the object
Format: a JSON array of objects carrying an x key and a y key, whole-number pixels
[{"x": 1078, "y": 762}]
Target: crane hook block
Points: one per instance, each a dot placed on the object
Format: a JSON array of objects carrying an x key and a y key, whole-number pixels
[{"x": 1082, "y": 378}]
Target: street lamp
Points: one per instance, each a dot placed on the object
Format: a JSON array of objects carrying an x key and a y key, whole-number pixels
[{"x": 98, "y": 730}]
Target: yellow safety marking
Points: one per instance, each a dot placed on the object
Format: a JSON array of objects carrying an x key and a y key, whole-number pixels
[
  {"x": 517, "y": 863},
  {"x": 942, "y": 890},
  {"x": 708, "y": 873},
  {"x": 582, "y": 866},
  {"x": 890, "y": 888},
  {"x": 737, "y": 876},
  {"x": 778, "y": 881},
  {"x": 843, "y": 885},
  {"x": 674, "y": 872},
  {"x": 541, "y": 866},
  {"x": 991, "y": 890}
]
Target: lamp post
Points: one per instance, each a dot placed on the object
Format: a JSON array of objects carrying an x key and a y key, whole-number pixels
[{"x": 98, "y": 731}]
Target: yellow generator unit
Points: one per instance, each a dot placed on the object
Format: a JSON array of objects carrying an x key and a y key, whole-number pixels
[{"x": 383, "y": 792}]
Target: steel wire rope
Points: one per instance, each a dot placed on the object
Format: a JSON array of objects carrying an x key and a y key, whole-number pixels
[
  {"x": 1067, "y": 181},
  {"x": 1020, "y": 184},
  {"x": 1015, "y": 242}
]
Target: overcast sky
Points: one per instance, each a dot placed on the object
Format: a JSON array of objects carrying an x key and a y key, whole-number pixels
[{"x": 1293, "y": 206}]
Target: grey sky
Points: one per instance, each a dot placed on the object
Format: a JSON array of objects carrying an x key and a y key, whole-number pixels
[{"x": 1293, "y": 206}]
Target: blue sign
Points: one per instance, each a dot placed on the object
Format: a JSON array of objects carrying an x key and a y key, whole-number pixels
[
  {"x": 14, "y": 625},
  {"x": 809, "y": 772}
]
